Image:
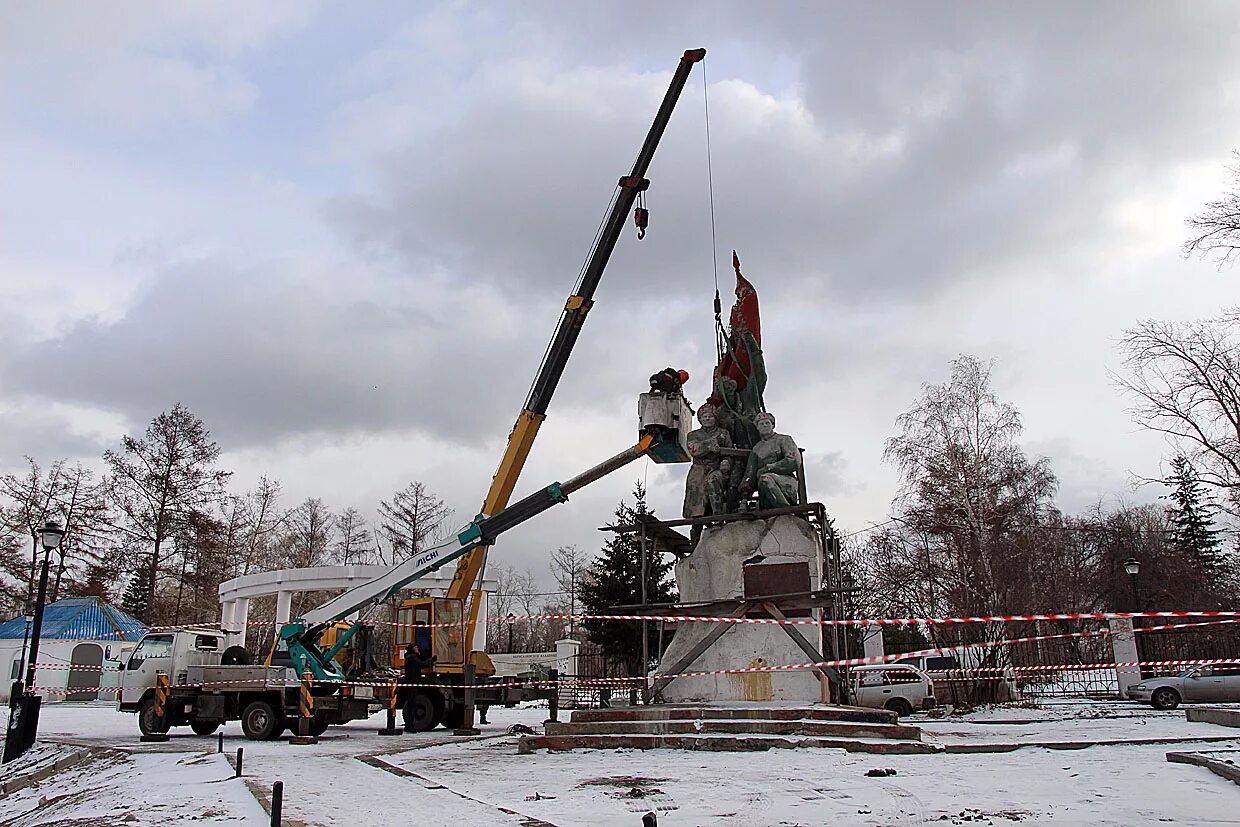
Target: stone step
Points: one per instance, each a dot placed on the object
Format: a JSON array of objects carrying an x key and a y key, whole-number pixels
[
  {"x": 720, "y": 712},
  {"x": 750, "y": 726},
  {"x": 720, "y": 743}
]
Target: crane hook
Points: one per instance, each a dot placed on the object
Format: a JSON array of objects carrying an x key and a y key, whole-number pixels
[{"x": 641, "y": 216}]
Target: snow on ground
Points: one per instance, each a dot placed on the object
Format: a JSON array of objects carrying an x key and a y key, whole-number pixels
[
  {"x": 114, "y": 789},
  {"x": 355, "y": 777}
]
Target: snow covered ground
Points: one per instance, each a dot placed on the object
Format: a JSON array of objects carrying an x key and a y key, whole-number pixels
[{"x": 355, "y": 777}]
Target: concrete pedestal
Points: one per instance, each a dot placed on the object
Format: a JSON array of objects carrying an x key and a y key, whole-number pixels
[{"x": 715, "y": 571}]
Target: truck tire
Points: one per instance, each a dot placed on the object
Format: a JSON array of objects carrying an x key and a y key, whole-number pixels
[
  {"x": 421, "y": 712},
  {"x": 261, "y": 722},
  {"x": 204, "y": 727},
  {"x": 318, "y": 726},
  {"x": 148, "y": 724}
]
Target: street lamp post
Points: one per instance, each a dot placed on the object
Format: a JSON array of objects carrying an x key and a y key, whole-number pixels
[
  {"x": 1132, "y": 567},
  {"x": 511, "y": 619},
  {"x": 24, "y": 711},
  {"x": 50, "y": 535},
  {"x": 18, "y": 687}
]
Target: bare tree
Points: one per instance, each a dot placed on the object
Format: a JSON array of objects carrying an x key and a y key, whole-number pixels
[
  {"x": 412, "y": 517},
  {"x": 158, "y": 481},
  {"x": 569, "y": 565},
  {"x": 1185, "y": 380},
  {"x": 31, "y": 501},
  {"x": 308, "y": 540},
  {"x": 969, "y": 510},
  {"x": 353, "y": 545},
  {"x": 263, "y": 520},
  {"x": 1216, "y": 229},
  {"x": 83, "y": 507}
]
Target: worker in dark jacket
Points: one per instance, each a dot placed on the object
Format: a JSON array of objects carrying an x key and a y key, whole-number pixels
[{"x": 416, "y": 659}]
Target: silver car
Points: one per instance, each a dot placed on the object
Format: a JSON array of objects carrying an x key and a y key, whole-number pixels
[{"x": 1215, "y": 682}]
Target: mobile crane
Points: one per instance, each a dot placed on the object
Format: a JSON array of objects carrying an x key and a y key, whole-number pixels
[
  {"x": 450, "y": 621},
  {"x": 207, "y": 689}
]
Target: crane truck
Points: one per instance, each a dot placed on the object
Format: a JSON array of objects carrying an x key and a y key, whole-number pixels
[{"x": 211, "y": 683}]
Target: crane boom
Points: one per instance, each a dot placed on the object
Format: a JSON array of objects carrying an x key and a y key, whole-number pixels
[{"x": 521, "y": 439}]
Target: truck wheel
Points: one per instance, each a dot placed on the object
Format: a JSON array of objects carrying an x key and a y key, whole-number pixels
[
  {"x": 421, "y": 712},
  {"x": 454, "y": 718},
  {"x": 204, "y": 727},
  {"x": 148, "y": 723},
  {"x": 899, "y": 706},
  {"x": 260, "y": 722},
  {"x": 318, "y": 726}
]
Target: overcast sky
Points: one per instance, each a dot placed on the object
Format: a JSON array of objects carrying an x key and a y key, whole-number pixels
[{"x": 343, "y": 235}]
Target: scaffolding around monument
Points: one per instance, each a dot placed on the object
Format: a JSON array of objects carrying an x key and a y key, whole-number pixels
[{"x": 780, "y": 591}]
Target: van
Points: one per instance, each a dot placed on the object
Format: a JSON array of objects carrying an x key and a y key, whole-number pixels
[{"x": 897, "y": 687}]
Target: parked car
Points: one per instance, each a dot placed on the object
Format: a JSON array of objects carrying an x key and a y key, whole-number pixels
[
  {"x": 1215, "y": 682},
  {"x": 894, "y": 686},
  {"x": 958, "y": 683}
]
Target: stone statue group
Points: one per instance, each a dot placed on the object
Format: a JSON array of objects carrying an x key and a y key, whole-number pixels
[{"x": 739, "y": 461}]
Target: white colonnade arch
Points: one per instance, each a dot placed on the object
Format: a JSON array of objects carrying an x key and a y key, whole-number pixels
[{"x": 235, "y": 594}]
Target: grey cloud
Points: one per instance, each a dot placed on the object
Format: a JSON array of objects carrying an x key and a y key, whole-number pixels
[
  {"x": 259, "y": 357},
  {"x": 1006, "y": 133}
]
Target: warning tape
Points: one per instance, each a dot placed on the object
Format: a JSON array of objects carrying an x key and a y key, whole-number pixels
[
  {"x": 1233, "y": 616},
  {"x": 964, "y": 674}
]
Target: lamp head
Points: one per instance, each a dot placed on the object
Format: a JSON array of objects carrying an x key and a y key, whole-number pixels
[
  {"x": 51, "y": 535},
  {"x": 1133, "y": 566}
]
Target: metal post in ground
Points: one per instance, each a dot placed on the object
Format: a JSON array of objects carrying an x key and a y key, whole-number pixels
[
  {"x": 240, "y": 759},
  {"x": 161, "y": 709},
  {"x": 467, "y": 722},
  {"x": 220, "y": 746},
  {"x": 553, "y": 703},
  {"x": 277, "y": 803},
  {"x": 305, "y": 712},
  {"x": 391, "y": 728}
]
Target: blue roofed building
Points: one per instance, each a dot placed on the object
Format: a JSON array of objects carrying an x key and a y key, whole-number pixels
[{"x": 79, "y": 646}]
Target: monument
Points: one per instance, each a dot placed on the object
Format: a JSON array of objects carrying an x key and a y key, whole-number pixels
[{"x": 749, "y": 563}]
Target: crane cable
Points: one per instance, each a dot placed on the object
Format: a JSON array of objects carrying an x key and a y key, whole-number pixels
[{"x": 720, "y": 335}]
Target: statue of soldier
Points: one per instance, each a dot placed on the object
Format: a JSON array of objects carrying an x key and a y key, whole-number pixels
[
  {"x": 774, "y": 467},
  {"x": 704, "y": 488}
]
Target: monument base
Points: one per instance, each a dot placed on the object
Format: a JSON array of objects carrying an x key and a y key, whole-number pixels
[{"x": 716, "y": 572}]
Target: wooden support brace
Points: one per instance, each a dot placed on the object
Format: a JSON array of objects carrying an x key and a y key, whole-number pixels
[
  {"x": 825, "y": 674},
  {"x": 693, "y": 654}
]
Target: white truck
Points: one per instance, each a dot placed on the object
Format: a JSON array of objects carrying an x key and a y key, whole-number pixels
[{"x": 211, "y": 682}]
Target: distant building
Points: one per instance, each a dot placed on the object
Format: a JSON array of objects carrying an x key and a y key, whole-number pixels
[{"x": 78, "y": 634}]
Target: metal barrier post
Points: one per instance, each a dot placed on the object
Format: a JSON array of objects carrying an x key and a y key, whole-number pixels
[
  {"x": 305, "y": 712},
  {"x": 277, "y": 803},
  {"x": 161, "y": 709},
  {"x": 467, "y": 721},
  {"x": 240, "y": 758},
  {"x": 391, "y": 728},
  {"x": 553, "y": 704},
  {"x": 220, "y": 746}
]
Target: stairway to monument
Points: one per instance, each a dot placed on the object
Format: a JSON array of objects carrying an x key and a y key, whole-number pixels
[{"x": 729, "y": 728}]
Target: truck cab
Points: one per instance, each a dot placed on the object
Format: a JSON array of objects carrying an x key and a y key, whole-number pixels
[{"x": 170, "y": 652}]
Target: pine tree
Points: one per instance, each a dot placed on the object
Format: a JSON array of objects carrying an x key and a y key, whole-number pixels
[
  {"x": 1192, "y": 521},
  {"x": 136, "y": 600},
  {"x": 615, "y": 580},
  {"x": 98, "y": 583}
]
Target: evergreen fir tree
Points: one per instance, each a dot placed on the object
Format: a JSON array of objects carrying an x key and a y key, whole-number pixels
[
  {"x": 1191, "y": 517},
  {"x": 98, "y": 583},
  {"x": 615, "y": 580},
  {"x": 136, "y": 598}
]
